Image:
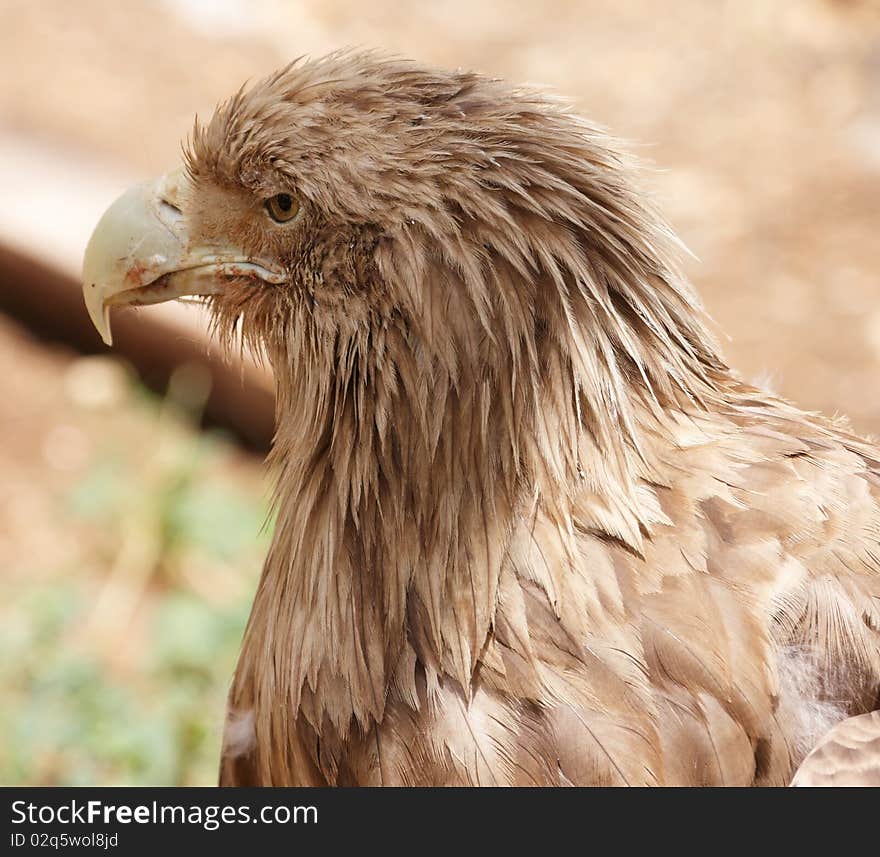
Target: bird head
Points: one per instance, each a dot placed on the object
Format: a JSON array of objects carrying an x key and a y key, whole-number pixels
[
  {"x": 366, "y": 221},
  {"x": 320, "y": 189}
]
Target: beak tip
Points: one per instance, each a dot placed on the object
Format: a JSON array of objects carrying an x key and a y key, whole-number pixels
[
  {"x": 99, "y": 313},
  {"x": 103, "y": 327}
]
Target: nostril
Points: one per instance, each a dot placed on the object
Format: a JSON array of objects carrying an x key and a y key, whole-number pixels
[
  {"x": 167, "y": 204},
  {"x": 169, "y": 214},
  {"x": 168, "y": 192}
]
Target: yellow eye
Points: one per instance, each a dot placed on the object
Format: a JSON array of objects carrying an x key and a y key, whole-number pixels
[{"x": 282, "y": 207}]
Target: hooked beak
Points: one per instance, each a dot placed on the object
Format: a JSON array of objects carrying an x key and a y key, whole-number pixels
[{"x": 141, "y": 253}]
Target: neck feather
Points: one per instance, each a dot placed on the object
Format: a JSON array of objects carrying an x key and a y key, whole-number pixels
[{"x": 409, "y": 444}]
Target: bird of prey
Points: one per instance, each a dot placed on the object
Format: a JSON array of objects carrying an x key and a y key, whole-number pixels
[{"x": 531, "y": 529}]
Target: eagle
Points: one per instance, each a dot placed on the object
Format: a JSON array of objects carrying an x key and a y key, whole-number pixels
[{"x": 531, "y": 528}]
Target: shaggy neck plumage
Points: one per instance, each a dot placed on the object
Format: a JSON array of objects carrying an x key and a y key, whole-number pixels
[
  {"x": 396, "y": 492},
  {"x": 410, "y": 441}
]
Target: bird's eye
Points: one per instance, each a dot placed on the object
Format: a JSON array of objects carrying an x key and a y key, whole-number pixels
[{"x": 282, "y": 207}]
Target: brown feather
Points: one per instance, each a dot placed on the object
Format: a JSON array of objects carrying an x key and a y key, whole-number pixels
[
  {"x": 531, "y": 529},
  {"x": 848, "y": 756}
]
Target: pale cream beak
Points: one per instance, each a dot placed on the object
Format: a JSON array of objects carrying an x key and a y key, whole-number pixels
[{"x": 141, "y": 253}]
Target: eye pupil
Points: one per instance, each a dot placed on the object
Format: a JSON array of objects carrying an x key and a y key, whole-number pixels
[{"x": 282, "y": 207}]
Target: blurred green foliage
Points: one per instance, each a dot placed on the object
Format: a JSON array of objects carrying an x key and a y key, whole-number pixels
[{"x": 114, "y": 668}]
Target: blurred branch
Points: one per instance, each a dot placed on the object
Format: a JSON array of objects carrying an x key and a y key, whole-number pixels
[{"x": 50, "y": 304}]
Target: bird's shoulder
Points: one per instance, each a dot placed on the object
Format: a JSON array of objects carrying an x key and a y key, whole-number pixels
[{"x": 744, "y": 624}]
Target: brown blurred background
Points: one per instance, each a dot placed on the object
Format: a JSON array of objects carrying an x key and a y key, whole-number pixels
[{"x": 131, "y": 538}]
